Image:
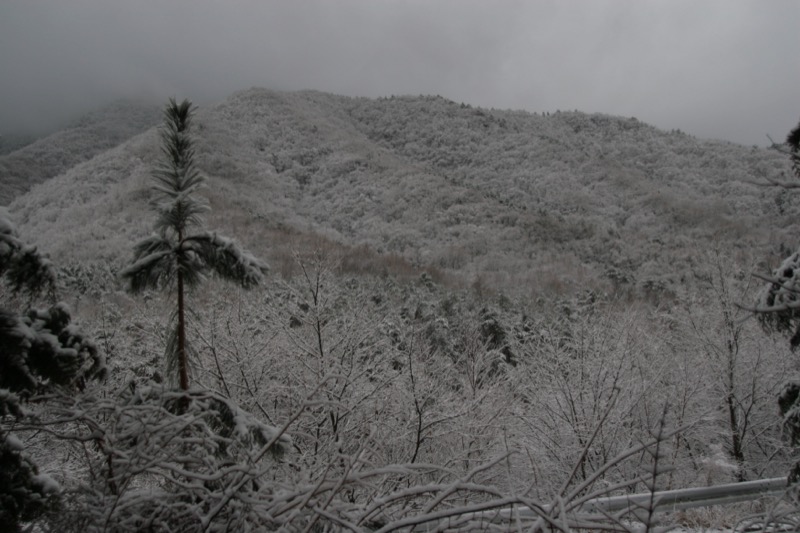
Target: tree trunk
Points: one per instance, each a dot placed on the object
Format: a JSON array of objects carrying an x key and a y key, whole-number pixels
[
  {"x": 737, "y": 450},
  {"x": 183, "y": 364}
]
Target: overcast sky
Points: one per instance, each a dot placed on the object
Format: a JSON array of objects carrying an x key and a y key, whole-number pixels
[{"x": 724, "y": 69}]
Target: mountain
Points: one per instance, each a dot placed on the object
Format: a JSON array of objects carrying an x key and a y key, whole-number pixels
[
  {"x": 11, "y": 142},
  {"x": 498, "y": 302},
  {"x": 536, "y": 203},
  {"x": 35, "y": 161}
]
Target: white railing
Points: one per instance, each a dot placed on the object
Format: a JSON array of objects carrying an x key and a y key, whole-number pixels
[
  {"x": 661, "y": 501},
  {"x": 673, "y": 500}
]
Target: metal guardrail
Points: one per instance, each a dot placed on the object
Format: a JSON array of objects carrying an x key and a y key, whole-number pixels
[
  {"x": 662, "y": 501},
  {"x": 673, "y": 500}
]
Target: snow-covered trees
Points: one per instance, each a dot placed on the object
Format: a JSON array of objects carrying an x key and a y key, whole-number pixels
[
  {"x": 38, "y": 350},
  {"x": 407, "y": 401},
  {"x": 741, "y": 371},
  {"x": 779, "y": 302},
  {"x": 778, "y": 308},
  {"x": 174, "y": 257},
  {"x": 157, "y": 459}
]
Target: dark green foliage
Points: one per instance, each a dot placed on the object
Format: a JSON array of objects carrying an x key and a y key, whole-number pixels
[
  {"x": 492, "y": 331},
  {"x": 494, "y": 335},
  {"x": 793, "y": 140},
  {"x": 43, "y": 348},
  {"x": 779, "y": 302},
  {"x": 788, "y": 402},
  {"x": 226, "y": 258},
  {"x": 23, "y": 268},
  {"x": 38, "y": 350},
  {"x": 152, "y": 270},
  {"x": 27, "y": 270},
  {"x": 778, "y": 310},
  {"x": 24, "y": 494}
]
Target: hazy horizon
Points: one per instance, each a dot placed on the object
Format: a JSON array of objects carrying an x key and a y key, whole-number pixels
[{"x": 722, "y": 69}]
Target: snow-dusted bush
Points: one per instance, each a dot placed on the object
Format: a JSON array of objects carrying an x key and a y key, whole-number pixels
[
  {"x": 163, "y": 460},
  {"x": 40, "y": 351}
]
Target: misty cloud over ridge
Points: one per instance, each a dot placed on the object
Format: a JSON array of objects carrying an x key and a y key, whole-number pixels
[{"x": 720, "y": 69}]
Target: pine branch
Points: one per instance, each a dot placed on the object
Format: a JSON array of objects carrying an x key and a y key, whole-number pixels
[
  {"x": 226, "y": 258},
  {"x": 151, "y": 271},
  {"x": 24, "y": 267}
]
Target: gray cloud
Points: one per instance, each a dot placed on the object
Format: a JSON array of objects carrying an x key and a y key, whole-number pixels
[{"x": 721, "y": 69}]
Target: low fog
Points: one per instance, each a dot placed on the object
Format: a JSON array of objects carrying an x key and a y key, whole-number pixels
[{"x": 722, "y": 69}]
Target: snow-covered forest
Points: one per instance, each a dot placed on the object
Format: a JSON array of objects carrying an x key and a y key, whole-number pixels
[{"x": 464, "y": 310}]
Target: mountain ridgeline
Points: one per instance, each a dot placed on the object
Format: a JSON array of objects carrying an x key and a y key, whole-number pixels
[
  {"x": 38, "y": 160},
  {"x": 527, "y": 202}
]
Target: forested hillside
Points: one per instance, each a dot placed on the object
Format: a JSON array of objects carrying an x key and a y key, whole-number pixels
[
  {"x": 12, "y": 142},
  {"x": 39, "y": 160},
  {"x": 465, "y": 309},
  {"x": 560, "y": 201}
]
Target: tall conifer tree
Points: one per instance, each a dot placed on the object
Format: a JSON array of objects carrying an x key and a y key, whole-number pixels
[{"x": 179, "y": 254}]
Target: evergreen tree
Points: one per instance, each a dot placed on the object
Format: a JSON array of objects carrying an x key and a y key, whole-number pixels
[
  {"x": 778, "y": 309},
  {"x": 39, "y": 350},
  {"x": 178, "y": 255},
  {"x": 779, "y": 302}
]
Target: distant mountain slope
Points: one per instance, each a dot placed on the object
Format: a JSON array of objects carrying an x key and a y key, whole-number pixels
[
  {"x": 80, "y": 141},
  {"x": 10, "y": 142},
  {"x": 530, "y": 202}
]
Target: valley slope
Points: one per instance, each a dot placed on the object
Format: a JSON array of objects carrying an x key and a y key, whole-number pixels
[
  {"x": 524, "y": 202},
  {"x": 79, "y": 141}
]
